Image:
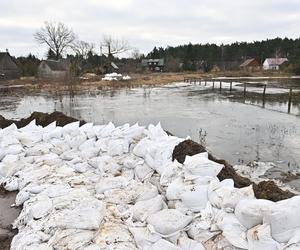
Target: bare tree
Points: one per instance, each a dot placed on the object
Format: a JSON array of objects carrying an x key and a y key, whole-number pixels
[
  {"x": 57, "y": 36},
  {"x": 136, "y": 54},
  {"x": 82, "y": 48},
  {"x": 112, "y": 46}
]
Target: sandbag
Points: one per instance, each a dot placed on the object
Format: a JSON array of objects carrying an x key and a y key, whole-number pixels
[
  {"x": 249, "y": 212},
  {"x": 168, "y": 221},
  {"x": 224, "y": 195},
  {"x": 195, "y": 197},
  {"x": 232, "y": 230},
  {"x": 283, "y": 218},
  {"x": 143, "y": 237},
  {"x": 200, "y": 165},
  {"x": 142, "y": 209},
  {"x": 163, "y": 244},
  {"x": 259, "y": 238}
]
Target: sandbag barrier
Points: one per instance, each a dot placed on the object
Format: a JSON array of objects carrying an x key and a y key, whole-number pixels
[{"x": 106, "y": 187}]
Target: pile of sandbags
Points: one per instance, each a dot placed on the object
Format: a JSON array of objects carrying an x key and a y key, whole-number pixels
[{"x": 105, "y": 187}]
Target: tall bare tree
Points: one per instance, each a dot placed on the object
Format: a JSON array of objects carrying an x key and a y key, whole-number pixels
[
  {"x": 113, "y": 46},
  {"x": 82, "y": 48},
  {"x": 57, "y": 36}
]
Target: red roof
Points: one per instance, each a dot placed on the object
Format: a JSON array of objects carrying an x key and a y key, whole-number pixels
[{"x": 248, "y": 62}]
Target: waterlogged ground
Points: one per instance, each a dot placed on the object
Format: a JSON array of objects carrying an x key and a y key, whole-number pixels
[{"x": 234, "y": 128}]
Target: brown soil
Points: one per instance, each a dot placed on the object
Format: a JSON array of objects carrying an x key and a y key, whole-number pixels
[
  {"x": 263, "y": 190},
  {"x": 187, "y": 147},
  {"x": 42, "y": 119},
  {"x": 270, "y": 191}
]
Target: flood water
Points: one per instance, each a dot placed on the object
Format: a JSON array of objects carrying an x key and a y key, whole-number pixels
[{"x": 234, "y": 128}]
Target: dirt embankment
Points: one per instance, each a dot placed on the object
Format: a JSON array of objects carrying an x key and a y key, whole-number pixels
[
  {"x": 42, "y": 119},
  {"x": 263, "y": 190}
]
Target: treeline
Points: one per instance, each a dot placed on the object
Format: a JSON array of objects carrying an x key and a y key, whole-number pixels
[{"x": 205, "y": 56}]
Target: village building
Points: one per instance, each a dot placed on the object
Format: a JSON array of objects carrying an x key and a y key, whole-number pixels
[
  {"x": 9, "y": 68},
  {"x": 153, "y": 64},
  {"x": 274, "y": 63},
  {"x": 53, "y": 70},
  {"x": 250, "y": 65}
]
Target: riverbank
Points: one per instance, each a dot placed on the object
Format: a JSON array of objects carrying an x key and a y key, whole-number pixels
[{"x": 95, "y": 83}]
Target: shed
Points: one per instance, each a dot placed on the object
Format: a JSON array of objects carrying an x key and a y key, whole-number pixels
[
  {"x": 9, "y": 68},
  {"x": 52, "y": 70},
  {"x": 274, "y": 63},
  {"x": 250, "y": 64},
  {"x": 153, "y": 64}
]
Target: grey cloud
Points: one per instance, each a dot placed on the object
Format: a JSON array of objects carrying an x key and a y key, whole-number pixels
[{"x": 148, "y": 23}]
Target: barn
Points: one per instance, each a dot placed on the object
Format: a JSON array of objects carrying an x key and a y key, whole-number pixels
[
  {"x": 250, "y": 65},
  {"x": 52, "y": 70},
  {"x": 9, "y": 68}
]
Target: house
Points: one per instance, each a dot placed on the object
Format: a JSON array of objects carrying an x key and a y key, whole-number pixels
[
  {"x": 250, "y": 65},
  {"x": 9, "y": 68},
  {"x": 274, "y": 63},
  {"x": 53, "y": 70},
  {"x": 153, "y": 64}
]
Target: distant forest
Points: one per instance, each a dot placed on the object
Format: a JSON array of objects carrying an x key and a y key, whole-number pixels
[{"x": 195, "y": 56}]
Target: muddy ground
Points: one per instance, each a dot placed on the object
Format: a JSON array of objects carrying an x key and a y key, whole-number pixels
[
  {"x": 263, "y": 190},
  {"x": 7, "y": 216}
]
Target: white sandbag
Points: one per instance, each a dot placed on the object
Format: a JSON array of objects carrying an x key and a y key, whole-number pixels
[
  {"x": 105, "y": 164},
  {"x": 82, "y": 217},
  {"x": 105, "y": 131},
  {"x": 87, "y": 144},
  {"x": 55, "y": 133},
  {"x": 71, "y": 239},
  {"x": 69, "y": 128},
  {"x": 108, "y": 183},
  {"x": 141, "y": 148},
  {"x": 111, "y": 233},
  {"x": 163, "y": 244},
  {"x": 168, "y": 221},
  {"x": 224, "y": 195},
  {"x": 294, "y": 242},
  {"x": 143, "y": 172},
  {"x": 232, "y": 230},
  {"x": 200, "y": 165},
  {"x": 170, "y": 173},
  {"x": 156, "y": 132},
  {"x": 195, "y": 197},
  {"x": 117, "y": 147},
  {"x": 175, "y": 189},
  {"x": 11, "y": 184},
  {"x": 200, "y": 228},
  {"x": 259, "y": 238},
  {"x": 283, "y": 218},
  {"x": 131, "y": 193},
  {"x": 40, "y": 206},
  {"x": 142, "y": 209},
  {"x": 39, "y": 149},
  {"x": 184, "y": 243},
  {"x": 131, "y": 162},
  {"x": 143, "y": 238},
  {"x": 250, "y": 211},
  {"x": 21, "y": 197}
]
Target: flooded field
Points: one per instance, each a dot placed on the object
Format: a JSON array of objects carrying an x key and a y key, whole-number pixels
[{"x": 237, "y": 128}]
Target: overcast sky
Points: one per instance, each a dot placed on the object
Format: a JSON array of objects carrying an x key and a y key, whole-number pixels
[{"x": 149, "y": 23}]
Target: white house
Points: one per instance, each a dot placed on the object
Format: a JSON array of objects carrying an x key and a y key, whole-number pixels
[{"x": 274, "y": 63}]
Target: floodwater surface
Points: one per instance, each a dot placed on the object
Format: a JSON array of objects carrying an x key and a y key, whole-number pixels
[{"x": 234, "y": 128}]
